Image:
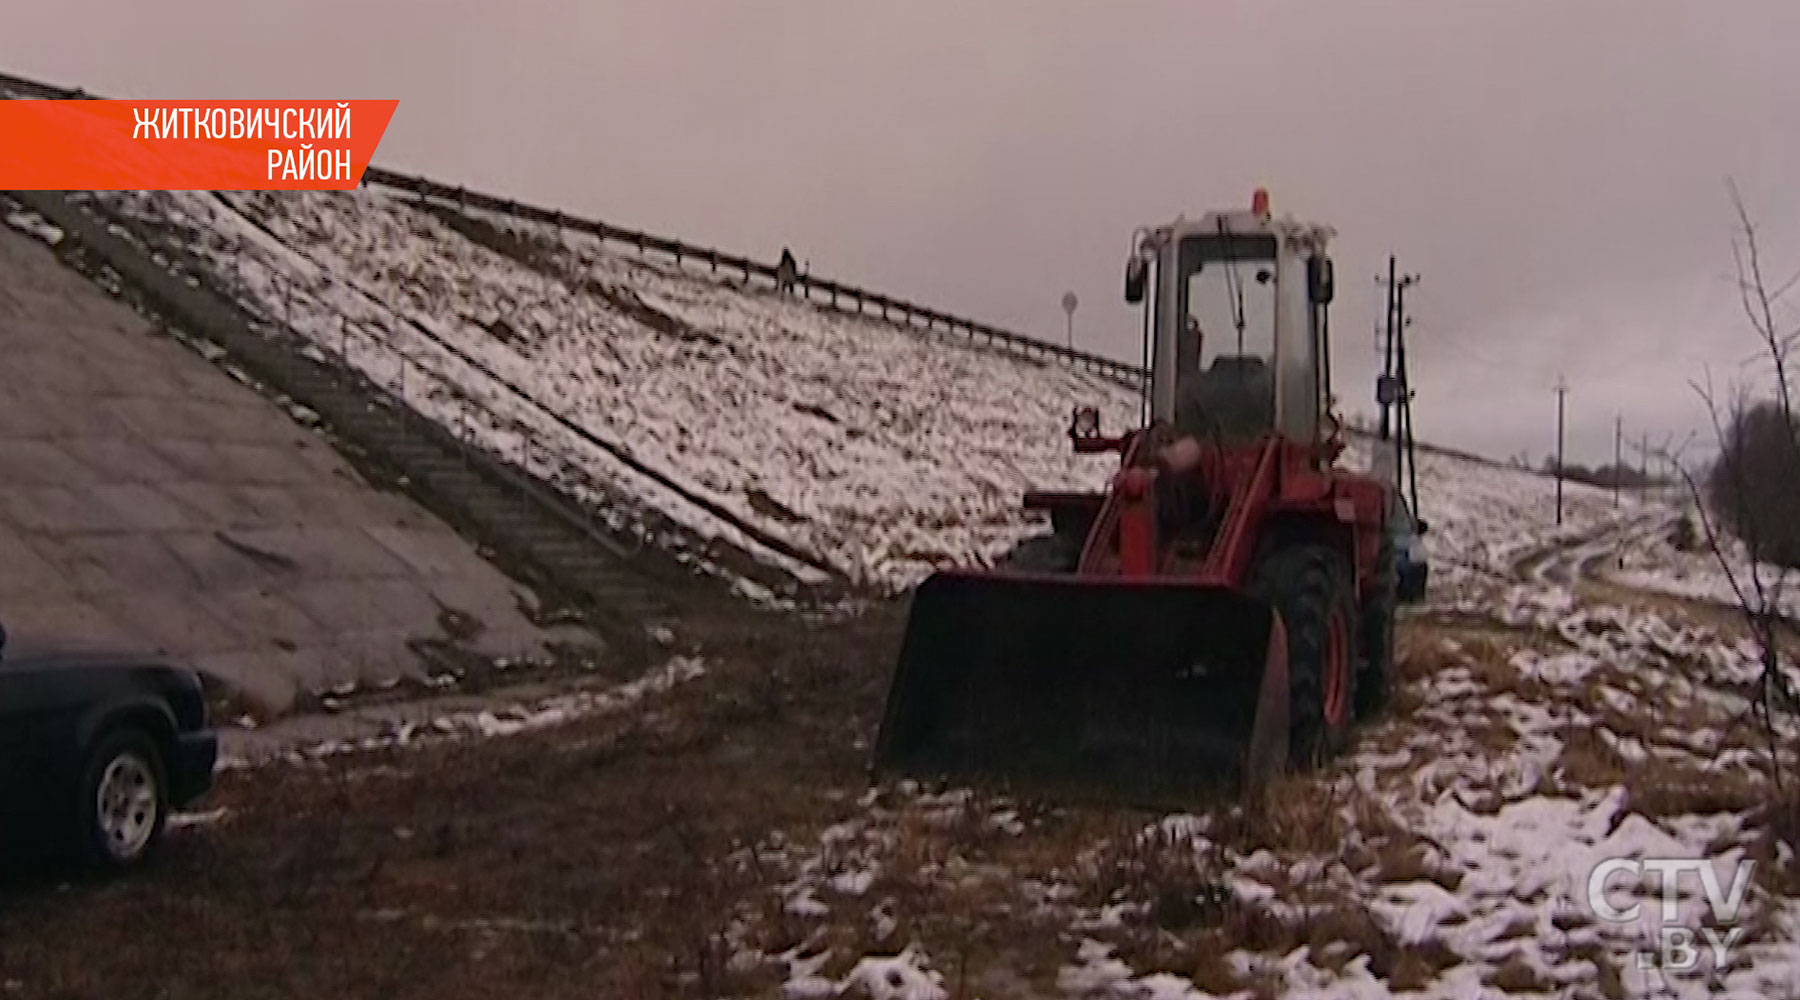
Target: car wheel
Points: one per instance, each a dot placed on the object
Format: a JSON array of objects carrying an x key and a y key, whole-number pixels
[{"x": 124, "y": 801}]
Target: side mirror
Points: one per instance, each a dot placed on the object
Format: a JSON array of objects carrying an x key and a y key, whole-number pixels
[
  {"x": 1320, "y": 283},
  {"x": 1423, "y": 527},
  {"x": 1387, "y": 389},
  {"x": 1085, "y": 422},
  {"x": 1134, "y": 280}
]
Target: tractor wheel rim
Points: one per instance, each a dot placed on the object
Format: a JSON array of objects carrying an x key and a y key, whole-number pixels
[
  {"x": 126, "y": 806},
  {"x": 1337, "y": 671}
]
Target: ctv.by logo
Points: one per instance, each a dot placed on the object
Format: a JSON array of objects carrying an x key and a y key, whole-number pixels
[{"x": 1677, "y": 939}]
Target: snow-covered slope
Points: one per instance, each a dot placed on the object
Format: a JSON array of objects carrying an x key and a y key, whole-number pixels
[
  {"x": 1485, "y": 517},
  {"x": 822, "y": 442},
  {"x": 815, "y": 442},
  {"x": 1650, "y": 560}
]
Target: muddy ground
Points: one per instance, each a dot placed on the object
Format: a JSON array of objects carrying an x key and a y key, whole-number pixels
[
  {"x": 569, "y": 862},
  {"x": 583, "y": 860},
  {"x": 642, "y": 854}
]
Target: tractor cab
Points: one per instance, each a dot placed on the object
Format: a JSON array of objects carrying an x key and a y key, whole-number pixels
[{"x": 1236, "y": 320}]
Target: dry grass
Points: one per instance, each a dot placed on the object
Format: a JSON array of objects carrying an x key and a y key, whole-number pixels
[
  {"x": 1334, "y": 931},
  {"x": 1660, "y": 784},
  {"x": 1516, "y": 928},
  {"x": 1777, "y": 822},
  {"x": 1609, "y": 982},
  {"x": 1425, "y": 652},
  {"x": 1661, "y": 788},
  {"x": 1588, "y": 760},
  {"x": 1294, "y": 814},
  {"x": 1419, "y": 963},
  {"x": 1180, "y": 914},
  {"x": 1384, "y": 849},
  {"x": 1515, "y": 975},
  {"x": 1781, "y": 817},
  {"x": 1490, "y": 663},
  {"x": 1180, "y": 881},
  {"x": 1724, "y": 618},
  {"x": 1398, "y": 861},
  {"x": 951, "y": 879},
  {"x": 1193, "y": 919}
]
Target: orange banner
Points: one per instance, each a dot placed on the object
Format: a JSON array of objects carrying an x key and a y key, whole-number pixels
[{"x": 188, "y": 145}]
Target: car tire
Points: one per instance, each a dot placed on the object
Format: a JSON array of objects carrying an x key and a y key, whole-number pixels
[
  {"x": 1412, "y": 582},
  {"x": 124, "y": 802}
]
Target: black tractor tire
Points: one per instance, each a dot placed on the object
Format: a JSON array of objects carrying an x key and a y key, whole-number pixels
[
  {"x": 1057, "y": 553},
  {"x": 123, "y": 832},
  {"x": 1309, "y": 585},
  {"x": 1373, "y": 683}
]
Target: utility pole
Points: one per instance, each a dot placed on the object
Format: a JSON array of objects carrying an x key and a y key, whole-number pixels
[
  {"x": 1562, "y": 391},
  {"x": 1388, "y": 390},
  {"x": 1403, "y": 425},
  {"x": 1397, "y": 347},
  {"x": 1619, "y": 461},
  {"x": 1387, "y": 358}
]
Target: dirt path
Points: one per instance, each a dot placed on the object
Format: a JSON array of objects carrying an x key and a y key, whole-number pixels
[
  {"x": 1582, "y": 567},
  {"x": 1570, "y": 562}
]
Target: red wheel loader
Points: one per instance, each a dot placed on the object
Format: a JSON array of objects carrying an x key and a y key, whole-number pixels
[{"x": 1225, "y": 606}]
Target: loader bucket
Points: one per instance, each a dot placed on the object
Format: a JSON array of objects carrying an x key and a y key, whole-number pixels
[{"x": 1146, "y": 692}]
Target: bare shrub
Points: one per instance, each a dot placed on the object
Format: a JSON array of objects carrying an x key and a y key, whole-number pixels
[
  {"x": 1684, "y": 536},
  {"x": 1759, "y": 442},
  {"x": 1756, "y": 477}
]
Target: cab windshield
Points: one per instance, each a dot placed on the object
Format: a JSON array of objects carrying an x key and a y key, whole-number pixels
[{"x": 1225, "y": 385}]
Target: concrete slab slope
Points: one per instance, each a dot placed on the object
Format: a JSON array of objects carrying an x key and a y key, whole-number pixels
[{"x": 148, "y": 501}]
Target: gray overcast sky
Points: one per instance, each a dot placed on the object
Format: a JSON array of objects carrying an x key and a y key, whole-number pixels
[{"x": 1555, "y": 170}]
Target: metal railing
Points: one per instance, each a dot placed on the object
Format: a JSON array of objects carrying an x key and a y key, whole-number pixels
[
  {"x": 819, "y": 291},
  {"x": 45, "y": 91}
]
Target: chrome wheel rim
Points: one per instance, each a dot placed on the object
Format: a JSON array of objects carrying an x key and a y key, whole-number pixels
[{"x": 126, "y": 806}]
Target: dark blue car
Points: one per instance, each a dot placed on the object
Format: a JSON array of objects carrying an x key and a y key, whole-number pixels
[
  {"x": 95, "y": 750},
  {"x": 1409, "y": 552}
]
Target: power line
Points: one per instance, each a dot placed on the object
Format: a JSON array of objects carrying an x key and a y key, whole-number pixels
[
  {"x": 1463, "y": 353},
  {"x": 1656, "y": 357}
]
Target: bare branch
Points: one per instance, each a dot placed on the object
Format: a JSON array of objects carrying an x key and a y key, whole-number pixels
[
  {"x": 1744, "y": 431},
  {"x": 1759, "y": 305},
  {"x": 1786, "y": 286},
  {"x": 1713, "y": 541}
]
